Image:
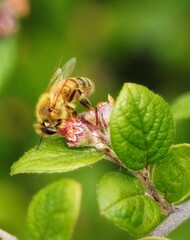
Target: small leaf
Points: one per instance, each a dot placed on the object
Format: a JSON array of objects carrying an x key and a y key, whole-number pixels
[
  {"x": 154, "y": 238},
  {"x": 53, "y": 211},
  {"x": 180, "y": 108},
  {"x": 172, "y": 175},
  {"x": 113, "y": 186},
  {"x": 53, "y": 156},
  {"x": 121, "y": 199},
  {"x": 141, "y": 126}
]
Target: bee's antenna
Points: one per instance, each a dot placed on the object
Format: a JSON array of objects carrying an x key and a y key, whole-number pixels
[{"x": 39, "y": 142}]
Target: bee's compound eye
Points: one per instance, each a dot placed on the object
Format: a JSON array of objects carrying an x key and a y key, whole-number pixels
[{"x": 49, "y": 131}]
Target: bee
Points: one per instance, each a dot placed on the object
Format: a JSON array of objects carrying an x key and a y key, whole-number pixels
[{"x": 56, "y": 104}]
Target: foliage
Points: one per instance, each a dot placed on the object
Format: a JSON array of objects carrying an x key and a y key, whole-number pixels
[
  {"x": 142, "y": 131},
  {"x": 180, "y": 107},
  {"x": 147, "y": 127},
  {"x": 53, "y": 211},
  {"x": 172, "y": 176},
  {"x": 53, "y": 155},
  {"x": 122, "y": 200}
]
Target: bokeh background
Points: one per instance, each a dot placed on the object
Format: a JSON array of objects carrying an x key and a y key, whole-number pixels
[{"x": 146, "y": 42}]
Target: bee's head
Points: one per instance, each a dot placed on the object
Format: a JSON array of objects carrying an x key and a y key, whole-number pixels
[
  {"x": 47, "y": 128},
  {"x": 49, "y": 118}
]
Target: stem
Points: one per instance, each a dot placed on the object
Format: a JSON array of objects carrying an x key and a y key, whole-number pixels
[
  {"x": 6, "y": 236},
  {"x": 144, "y": 177},
  {"x": 176, "y": 218},
  {"x": 109, "y": 154}
]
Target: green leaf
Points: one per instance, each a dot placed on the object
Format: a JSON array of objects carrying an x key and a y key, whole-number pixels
[
  {"x": 141, "y": 126},
  {"x": 172, "y": 175},
  {"x": 180, "y": 107},
  {"x": 54, "y": 210},
  {"x": 121, "y": 199},
  {"x": 53, "y": 156},
  {"x": 154, "y": 238}
]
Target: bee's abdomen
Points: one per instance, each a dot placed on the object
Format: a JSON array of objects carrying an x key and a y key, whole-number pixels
[
  {"x": 87, "y": 84},
  {"x": 83, "y": 84}
]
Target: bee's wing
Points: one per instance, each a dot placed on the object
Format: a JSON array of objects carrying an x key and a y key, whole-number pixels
[
  {"x": 62, "y": 73},
  {"x": 58, "y": 80},
  {"x": 68, "y": 68}
]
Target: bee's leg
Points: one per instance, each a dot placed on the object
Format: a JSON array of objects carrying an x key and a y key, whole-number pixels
[
  {"x": 77, "y": 95},
  {"x": 71, "y": 111},
  {"x": 86, "y": 103}
]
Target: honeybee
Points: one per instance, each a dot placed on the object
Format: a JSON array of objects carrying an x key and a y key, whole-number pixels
[{"x": 56, "y": 104}]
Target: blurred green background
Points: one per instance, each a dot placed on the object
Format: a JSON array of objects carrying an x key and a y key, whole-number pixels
[{"x": 146, "y": 42}]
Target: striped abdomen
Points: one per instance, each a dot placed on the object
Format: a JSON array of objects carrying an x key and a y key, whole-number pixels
[{"x": 76, "y": 89}]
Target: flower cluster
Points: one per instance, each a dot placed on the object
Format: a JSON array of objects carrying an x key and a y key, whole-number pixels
[{"x": 89, "y": 128}]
